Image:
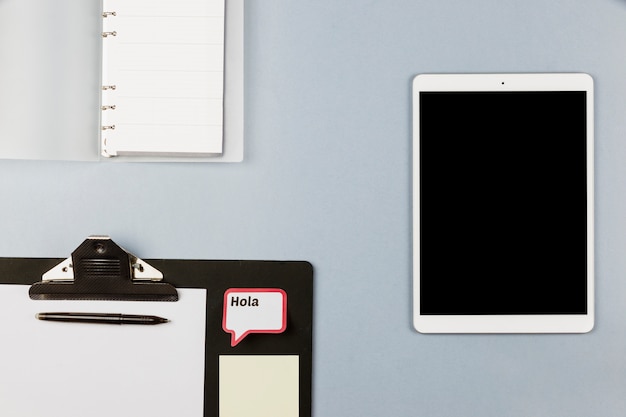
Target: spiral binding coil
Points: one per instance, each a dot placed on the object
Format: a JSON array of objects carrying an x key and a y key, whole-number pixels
[{"x": 110, "y": 87}]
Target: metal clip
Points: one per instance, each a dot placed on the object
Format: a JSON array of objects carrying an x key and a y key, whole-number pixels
[{"x": 99, "y": 269}]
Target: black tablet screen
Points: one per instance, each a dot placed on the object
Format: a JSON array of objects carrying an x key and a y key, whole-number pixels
[{"x": 503, "y": 195}]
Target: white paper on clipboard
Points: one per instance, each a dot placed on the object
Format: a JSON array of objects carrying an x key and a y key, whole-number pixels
[{"x": 52, "y": 369}]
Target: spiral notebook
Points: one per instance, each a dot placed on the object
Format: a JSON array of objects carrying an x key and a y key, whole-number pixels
[
  {"x": 163, "y": 77},
  {"x": 140, "y": 80}
]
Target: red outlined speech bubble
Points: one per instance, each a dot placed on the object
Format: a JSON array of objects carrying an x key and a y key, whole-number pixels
[{"x": 254, "y": 310}]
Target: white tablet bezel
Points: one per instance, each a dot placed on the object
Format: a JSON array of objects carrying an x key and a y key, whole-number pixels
[{"x": 535, "y": 323}]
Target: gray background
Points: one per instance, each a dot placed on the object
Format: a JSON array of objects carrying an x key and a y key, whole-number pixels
[{"x": 327, "y": 178}]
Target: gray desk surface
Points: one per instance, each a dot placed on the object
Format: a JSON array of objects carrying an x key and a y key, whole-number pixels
[{"x": 327, "y": 178}]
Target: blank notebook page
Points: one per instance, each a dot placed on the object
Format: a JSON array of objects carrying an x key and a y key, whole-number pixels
[{"x": 162, "y": 77}]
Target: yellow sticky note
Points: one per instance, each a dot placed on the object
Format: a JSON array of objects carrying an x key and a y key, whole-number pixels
[{"x": 258, "y": 386}]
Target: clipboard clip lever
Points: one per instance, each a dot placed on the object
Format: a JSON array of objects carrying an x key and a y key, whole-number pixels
[{"x": 99, "y": 269}]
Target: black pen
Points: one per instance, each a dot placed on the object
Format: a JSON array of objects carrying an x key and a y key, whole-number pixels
[{"x": 106, "y": 318}]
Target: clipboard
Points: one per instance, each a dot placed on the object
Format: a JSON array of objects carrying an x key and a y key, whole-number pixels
[{"x": 225, "y": 362}]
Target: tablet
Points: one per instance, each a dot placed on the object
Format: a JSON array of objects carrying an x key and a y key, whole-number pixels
[{"x": 503, "y": 203}]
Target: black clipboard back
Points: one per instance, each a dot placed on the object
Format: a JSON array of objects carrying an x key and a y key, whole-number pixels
[{"x": 216, "y": 277}]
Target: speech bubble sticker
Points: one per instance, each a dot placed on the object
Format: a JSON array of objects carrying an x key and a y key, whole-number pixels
[{"x": 254, "y": 310}]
